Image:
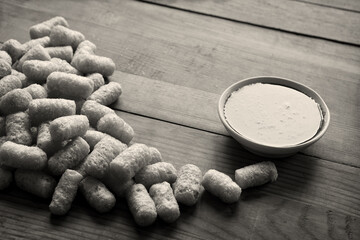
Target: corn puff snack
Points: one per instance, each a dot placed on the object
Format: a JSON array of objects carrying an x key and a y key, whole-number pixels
[
  {"x": 63, "y": 36},
  {"x": 2, "y": 126},
  {"x": 20, "y": 156},
  {"x": 18, "y": 128},
  {"x": 141, "y": 206},
  {"x": 9, "y": 83},
  {"x": 97, "y": 195},
  {"x": 115, "y": 126},
  {"x": 65, "y": 192},
  {"x": 5, "y": 68},
  {"x": 43, "y": 41},
  {"x": 6, "y": 57},
  {"x": 166, "y": 205},
  {"x": 117, "y": 187},
  {"x": 15, "y": 101},
  {"x": 94, "y": 111},
  {"x": 89, "y": 63},
  {"x": 188, "y": 184},
  {"x": 14, "y": 48},
  {"x": 69, "y": 85},
  {"x": 45, "y": 142},
  {"x": 44, "y": 28},
  {"x": 67, "y": 127},
  {"x": 38, "y": 52},
  {"x": 221, "y": 186},
  {"x": 36, "y": 91},
  {"x": 6, "y": 177},
  {"x": 130, "y": 161},
  {"x": 68, "y": 157},
  {"x": 98, "y": 80},
  {"x": 256, "y": 174},
  {"x": 155, "y": 155},
  {"x": 107, "y": 94},
  {"x": 64, "y": 66},
  {"x": 37, "y": 70},
  {"x": 92, "y": 137},
  {"x": 42, "y": 110},
  {"x": 63, "y": 52},
  {"x": 24, "y": 81},
  {"x": 35, "y": 182},
  {"x": 97, "y": 163},
  {"x": 85, "y": 47},
  {"x": 156, "y": 173}
]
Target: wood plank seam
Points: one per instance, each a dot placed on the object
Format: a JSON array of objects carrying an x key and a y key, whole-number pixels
[{"x": 328, "y": 6}]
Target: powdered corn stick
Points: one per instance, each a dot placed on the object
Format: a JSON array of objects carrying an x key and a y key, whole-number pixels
[
  {"x": 130, "y": 161},
  {"x": 14, "y": 48},
  {"x": 36, "y": 91},
  {"x": 64, "y": 66},
  {"x": 24, "y": 81},
  {"x": 156, "y": 173},
  {"x": 68, "y": 157},
  {"x": 37, "y": 52},
  {"x": 98, "y": 80},
  {"x": 45, "y": 142},
  {"x": 155, "y": 155},
  {"x": 94, "y": 111},
  {"x": 5, "y": 68},
  {"x": 97, "y": 195},
  {"x": 221, "y": 186},
  {"x": 44, "y": 28},
  {"x": 43, "y": 41},
  {"x": 65, "y": 192},
  {"x": 62, "y": 36},
  {"x": 20, "y": 156},
  {"x": 88, "y": 63},
  {"x": 2, "y": 126},
  {"x": 37, "y": 70},
  {"x": 69, "y": 85},
  {"x": 97, "y": 163},
  {"x": 256, "y": 174},
  {"x": 141, "y": 206},
  {"x": 15, "y": 101},
  {"x": 6, "y": 177},
  {"x": 117, "y": 187},
  {"x": 64, "y": 52},
  {"x": 85, "y": 47},
  {"x": 166, "y": 205},
  {"x": 9, "y": 83},
  {"x": 188, "y": 184},
  {"x": 107, "y": 94},
  {"x": 115, "y": 126},
  {"x": 92, "y": 137},
  {"x": 5, "y": 56},
  {"x": 67, "y": 127},
  {"x": 42, "y": 110},
  {"x": 35, "y": 182},
  {"x": 18, "y": 128}
]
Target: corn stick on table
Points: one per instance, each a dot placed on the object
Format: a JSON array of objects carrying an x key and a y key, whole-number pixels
[{"x": 173, "y": 60}]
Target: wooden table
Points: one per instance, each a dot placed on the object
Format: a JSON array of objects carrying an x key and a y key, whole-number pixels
[{"x": 174, "y": 58}]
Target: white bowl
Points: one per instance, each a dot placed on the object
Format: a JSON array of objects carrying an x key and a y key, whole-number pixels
[{"x": 267, "y": 150}]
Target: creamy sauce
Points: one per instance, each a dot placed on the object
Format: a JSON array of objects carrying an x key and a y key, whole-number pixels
[{"x": 272, "y": 114}]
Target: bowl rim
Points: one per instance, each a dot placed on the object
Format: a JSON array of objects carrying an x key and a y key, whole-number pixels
[{"x": 277, "y": 81}]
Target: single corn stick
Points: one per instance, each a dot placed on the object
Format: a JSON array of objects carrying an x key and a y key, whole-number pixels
[
  {"x": 44, "y": 28},
  {"x": 14, "y": 48},
  {"x": 35, "y": 182},
  {"x": 6, "y": 57},
  {"x": 65, "y": 192},
  {"x": 107, "y": 94},
  {"x": 117, "y": 187},
  {"x": 37, "y": 70},
  {"x": 15, "y": 101},
  {"x": 92, "y": 137},
  {"x": 42, "y": 110},
  {"x": 155, "y": 155},
  {"x": 166, "y": 205},
  {"x": 94, "y": 111},
  {"x": 6, "y": 177},
  {"x": 63, "y": 52},
  {"x": 62, "y": 36},
  {"x": 97, "y": 195},
  {"x": 64, "y": 66},
  {"x": 24, "y": 81},
  {"x": 36, "y": 91},
  {"x": 45, "y": 142},
  {"x": 115, "y": 126},
  {"x": 221, "y": 186},
  {"x": 188, "y": 184},
  {"x": 85, "y": 47},
  {"x": 156, "y": 173},
  {"x": 18, "y": 128},
  {"x": 141, "y": 206},
  {"x": 67, "y": 127},
  {"x": 43, "y": 41},
  {"x": 89, "y": 63},
  {"x": 9, "y": 83},
  {"x": 5, "y": 68},
  {"x": 256, "y": 174},
  {"x": 98, "y": 80},
  {"x": 36, "y": 53}
]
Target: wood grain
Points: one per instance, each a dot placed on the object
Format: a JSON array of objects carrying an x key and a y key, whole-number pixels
[
  {"x": 351, "y": 5},
  {"x": 293, "y": 16}
]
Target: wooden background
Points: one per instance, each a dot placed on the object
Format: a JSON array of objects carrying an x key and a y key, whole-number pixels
[{"x": 174, "y": 58}]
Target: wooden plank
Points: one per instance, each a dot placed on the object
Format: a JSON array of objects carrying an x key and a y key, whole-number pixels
[
  {"x": 207, "y": 57},
  {"x": 351, "y": 5},
  {"x": 293, "y": 16}
]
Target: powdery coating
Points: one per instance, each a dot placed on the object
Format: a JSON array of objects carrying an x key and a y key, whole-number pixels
[
  {"x": 85, "y": 47},
  {"x": 6, "y": 177},
  {"x": 65, "y": 192},
  {"x": 117, "y": 187},
  {"x": 94, "y": 111},
  {"x": 36, "y": 53},
  {"x": 97, "y": 195},
  {"x": 24, "y": 81},
  {"x": 115, "y": 126},
  {"x": 98, "y": 80},
  {"x": 92, "y": 137},
  {"x": 65, "y": 52},
  {"x": 36, "y": 91},
  {"x": 97, "y": 163},
  {"x": 44, "y": 42},
  {"x": 67, "y": 127},
  {"x": 9, "y": 83},
  {"x": 88, "y": 63},
  {"x": 64, "y": 66},
  {"x": 44, "y": 28},
  {"x": 62, "y": 36},
  {"x": 166, "y": 205},
  {"x": 35, "y": 182},
  {"x": 221, "y": 186},
  {"x": 68, "y": 157},
  {"x": 20, "y": 156},
  {"x": 14, "y": 48},
  {"x": 155, "y": 155},
  {"x": 107, "y": 94},
  {"x": 38, "y": 71},
  {"x": 42, "y": 110},
  {"x": 5, "y": 68},
  {"x": 188, "y": 184},
  {"x": 156, "y": 173},
  {"x": 15, "y": 101},
  {"x": 2, "y": 126},
  {"x": 18, "y": 128},
  {"x": 130, "y": 161},
  {"x": 45, "y": 142},
  {"x": 141, "y": 206},
  {"x": 5, "y": 56},
  {"x": 69, "y": 85},
  {"x": 256, "y": 174}
]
